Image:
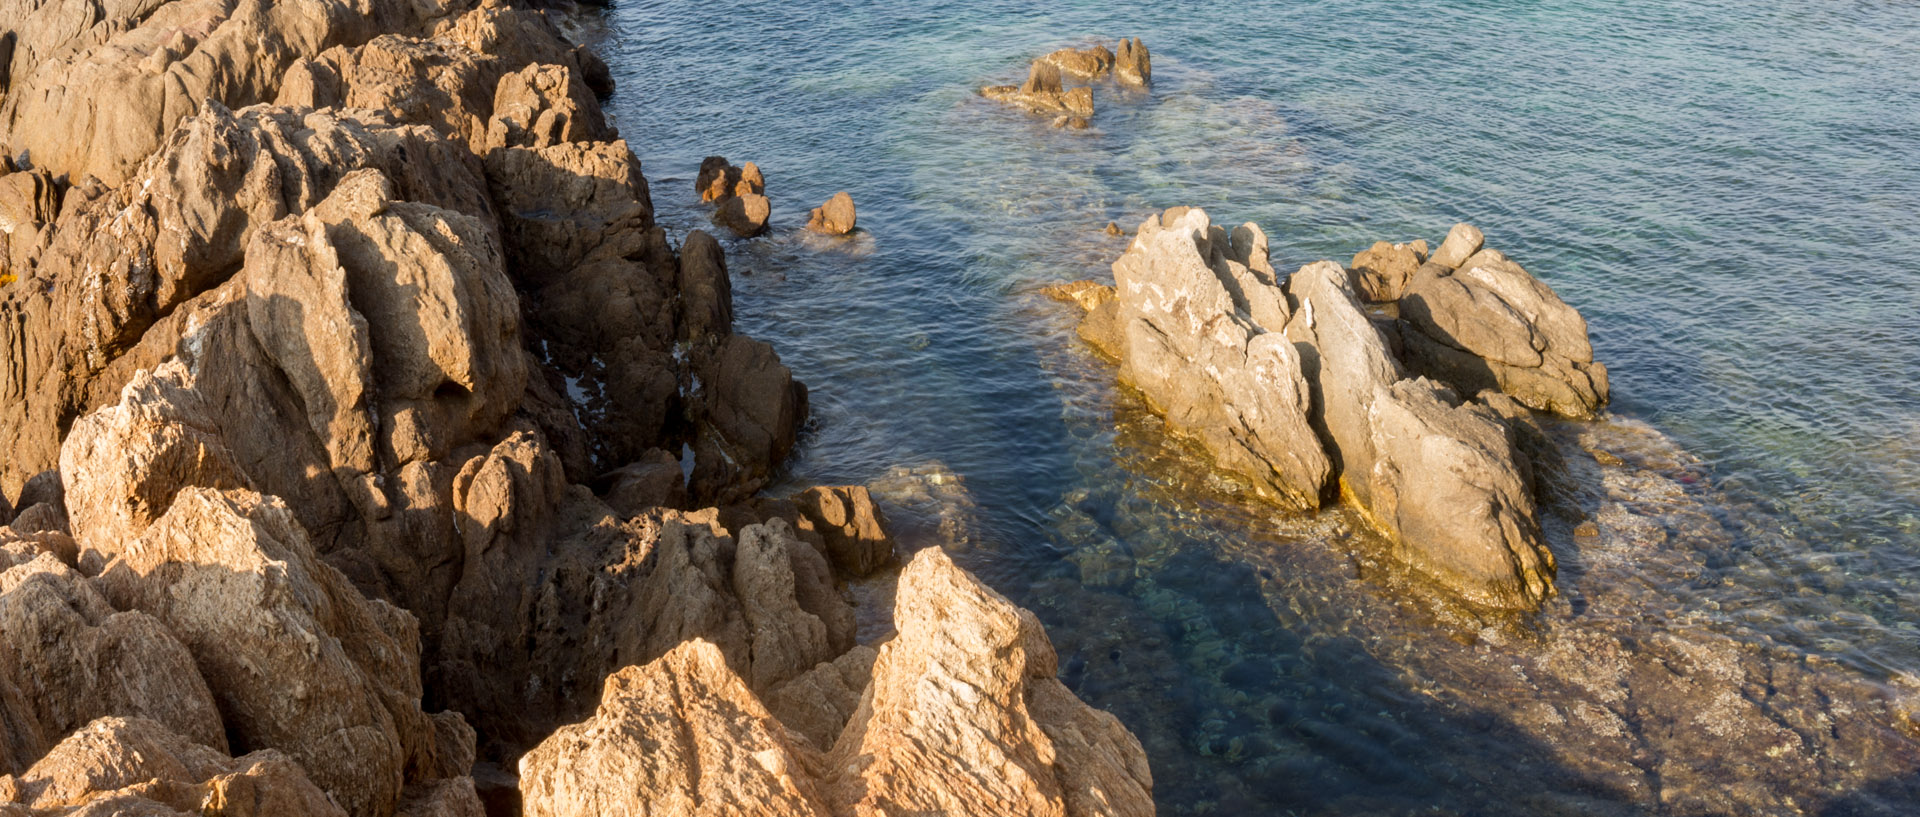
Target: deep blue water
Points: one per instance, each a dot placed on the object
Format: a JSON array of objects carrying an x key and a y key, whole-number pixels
[{"x": 1730, "y": 194}]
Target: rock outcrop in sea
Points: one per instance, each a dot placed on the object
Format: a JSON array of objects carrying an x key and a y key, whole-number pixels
[
  {"x": 365, "y": 429},
  {"x": 1044, "y": 92},
  {"x": 1295, "y": 385}
]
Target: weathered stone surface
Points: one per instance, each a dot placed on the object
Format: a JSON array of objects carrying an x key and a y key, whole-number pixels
[
  {"x": 746, "y": 215},
  {"x": 134, "y": 766},
  {"x": 749, "y": 410},
  {"x": 68, "y": 658},
  {"x": 719, "y": 180},
  {"x": 1132, "y": 63},
  {"x": 1043, "y": 93},
  {"x": 1200, "y": 335},
  {"x": 566, "y": 204},
  {"x": 1489, "y": 324},
  {"x": 296, "y": 658},
  {"x": 681, "y": 735},
  {"x": 1086, "y": 63},
  {"x": 1438, "y": 478},
  {"x": 850, "y": 525},
  {"x": 999, "y": 736},
  {"x": 93, "y": 93},
  {"x": 706, "y": 291},
  {"x": 123, "y": 267},
  {"x": 818, "y": 703},
  {"x": 544, "y": 105},
  {"x": 1381, "y": 272},
  {"x": 835, "y": 217},
  {"x": 656, "y": 480},
  {"x": 786, "y": 639},
  {"x": 1460, "y": 244}
]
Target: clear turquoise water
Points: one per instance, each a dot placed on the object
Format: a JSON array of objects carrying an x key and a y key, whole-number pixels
[{"x": 1730, "y": 194}]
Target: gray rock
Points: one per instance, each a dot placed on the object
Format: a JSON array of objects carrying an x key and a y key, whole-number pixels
[
  {"x": 1199, "y": 335},
  {"x": 1462, "y": 241}
]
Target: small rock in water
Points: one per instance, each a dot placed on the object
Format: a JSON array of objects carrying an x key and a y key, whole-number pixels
[
  {"x": 1086, "y": 63},
  {"x": 1133, "y": 63},
  {"x": 1114, "y": 229},
  {"x": 1043, "y": 93},
  {"x": 835, "y": 217},
  {"x": 745, "y": 215},
  {"x": 1071, "y": 123}
]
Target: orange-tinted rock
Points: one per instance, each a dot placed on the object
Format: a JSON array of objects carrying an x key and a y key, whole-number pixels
[{"x": 835, "y": 217}]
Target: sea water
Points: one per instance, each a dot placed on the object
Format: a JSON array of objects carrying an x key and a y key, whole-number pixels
[{"x": 1730, "y": 193}]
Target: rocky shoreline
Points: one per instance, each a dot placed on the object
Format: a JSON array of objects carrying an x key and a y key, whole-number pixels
[{"x": 375, "y": 452}]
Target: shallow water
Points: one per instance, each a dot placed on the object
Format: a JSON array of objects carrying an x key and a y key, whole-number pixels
[{"x": 1730, "y": 195}]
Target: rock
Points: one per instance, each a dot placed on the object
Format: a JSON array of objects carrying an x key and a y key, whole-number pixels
[
  {"x": 71, "y": 658},
  {"x": 1086, "y": 63},
  {"x": 786, "y": 639},
  {"x": 999, "y": 735},
  {"x": 818, "y": 703},
  {"x": 1489, "y": 324},
  {"x": 706, "y": 292},
  {"x": 567, "y": 204},
  {"x": 850, "y": 524},
  {"x": 1439, "y": 479},
  {"x": 1381, "y": 272},
  {"x": 518, "y": 36},
  {"x": 28, "y": 199},
  {"x": 411, "y": 79},
  {"x": 1200, "y": 335},
  {"x": 1132, "y": 63},
  {"x": 748, "y": 410},
  {"x": 452, "y": 797},
  {"x": 745, "y": 215},
  {"x": 296, "y": 658},
  {"x": 1461, "y": 243},
  {"x": 719, "y": 180},
  {"x": 681, "y": 735},
  {"x": 835, "y": 217},
  {"x": 93, "y": 93},
  {"x": 1042, "y": 93},
  {"x": 139, "y": 766},
  {"x": 655, "y": 481},
  {"x": 1114, "y": 229},
  {"x": 541, "y": 106}
]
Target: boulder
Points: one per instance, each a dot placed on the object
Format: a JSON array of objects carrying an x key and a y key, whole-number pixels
[
  {"x": 656, "y": 480},
  {"x": 1132, "y": 63},
  {"x": 1381, "y": 272},
  {"x": 999, "y": 734},
  {"x": 296, "y": 658},
  {"x": 746, "y": 215},
  {"x": 680, "y": 735},
  {"x": 1441, "y": 480},
  {"x": 818, "y": 703},
  {"x": 850, "y": 525},
  {"x": 1489, "y": 324},
  {"x": 1200, "y": 335},
  {"x": 747, "y": 409},
  {"x": 1043, "y": 93},
  {"x": 139, "y": 766},
  {"x": 568, "y": 204},
  {"x": 706, "y": 291},
  {"x": 719, "y": 180},
  {"x": 835, "y": 217},
  {"x": 69, "y": 657},
  {"x": 1085, "y": 63},
  {"x": 1461, "y": 243}
]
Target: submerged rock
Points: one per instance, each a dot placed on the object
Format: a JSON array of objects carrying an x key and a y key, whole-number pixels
[{"x": 835, "y": 217}]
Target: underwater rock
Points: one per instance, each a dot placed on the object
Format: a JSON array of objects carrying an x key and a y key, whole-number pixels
[{"x": 835, "y": 217}]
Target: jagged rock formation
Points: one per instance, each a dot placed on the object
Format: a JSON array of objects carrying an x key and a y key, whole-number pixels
[
  {"x": 1002, "y": 736},
  {"x": 355, "y": 406},
  {"x": 1294, "y": 386}
]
